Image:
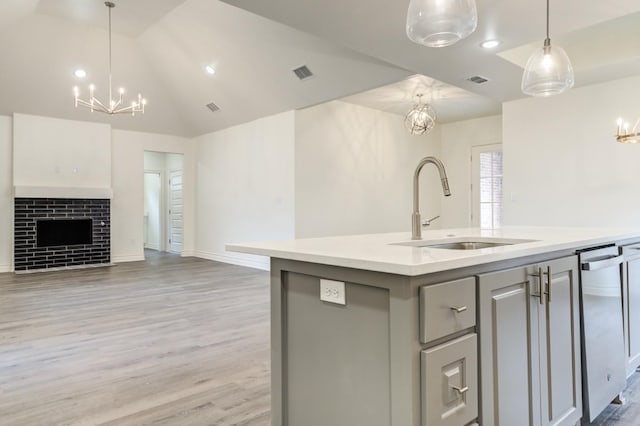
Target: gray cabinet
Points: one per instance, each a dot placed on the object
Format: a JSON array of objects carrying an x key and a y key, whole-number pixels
[
  {"x": 444, "y": 349},
  {"x": 631, "y": 305},
  {"x": 529, "y": 330}
]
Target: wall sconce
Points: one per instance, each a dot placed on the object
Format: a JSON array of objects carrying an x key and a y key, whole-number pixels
[{"x": 626, "y": 135}]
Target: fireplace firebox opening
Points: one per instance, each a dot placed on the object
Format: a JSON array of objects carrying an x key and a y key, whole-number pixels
[{"x": 63, "y": 232}]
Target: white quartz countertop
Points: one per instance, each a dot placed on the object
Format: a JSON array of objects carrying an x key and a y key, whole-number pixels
[{"x": 379, "y": 252}]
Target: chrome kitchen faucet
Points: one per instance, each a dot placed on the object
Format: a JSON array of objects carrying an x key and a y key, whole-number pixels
[{"x": 416, "y": 228}]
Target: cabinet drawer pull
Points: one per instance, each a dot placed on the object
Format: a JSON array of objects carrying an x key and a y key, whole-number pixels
[
  {"x": 460, "y": 391},
  {"x": 541, "y": 292},
  {"x": 459, "y": 309}
]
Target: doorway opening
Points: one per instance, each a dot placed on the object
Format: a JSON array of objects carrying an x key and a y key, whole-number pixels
[{"x": 163, "y": 202}]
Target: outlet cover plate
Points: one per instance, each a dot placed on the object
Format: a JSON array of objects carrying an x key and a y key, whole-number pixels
[{"x": 333, "y": 292}]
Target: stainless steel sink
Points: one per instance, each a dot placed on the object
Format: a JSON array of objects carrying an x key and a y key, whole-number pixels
[
  {"x": 464, "y": 243},
  {"x": 467, "y": 245}
]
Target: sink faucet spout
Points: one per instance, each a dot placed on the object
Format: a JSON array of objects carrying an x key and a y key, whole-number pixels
[{"x": 416, "y": 228}]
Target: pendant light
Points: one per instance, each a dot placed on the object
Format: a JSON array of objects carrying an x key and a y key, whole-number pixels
[
  {"x": 440, "y": 23},
  {"x": 421, "y": 119},
  {"x": 548, "y": 71}
]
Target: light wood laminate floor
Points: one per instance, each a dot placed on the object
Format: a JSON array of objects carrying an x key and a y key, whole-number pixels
[{"x": 168, "y": 341}]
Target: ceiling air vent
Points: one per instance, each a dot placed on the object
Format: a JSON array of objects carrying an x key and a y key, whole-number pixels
[
  {"x": 213, "y": 107},
  {"x": 478, "y": 79},
  {"x": 303, "y": 72}
]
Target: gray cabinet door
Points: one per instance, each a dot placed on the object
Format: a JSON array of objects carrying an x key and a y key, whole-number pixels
[
  {"x": 559, "y": 342},
  {"x": 450, "y": 382},
  {"x": 631, "y": 302},
  {"x": 509, "y": 366}
]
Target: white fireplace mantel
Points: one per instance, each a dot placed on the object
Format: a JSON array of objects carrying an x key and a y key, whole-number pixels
[{"x": 62, "y": 192}]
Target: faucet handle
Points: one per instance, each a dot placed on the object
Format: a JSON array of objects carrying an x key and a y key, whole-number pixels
[{"x": 427, "y": 222}]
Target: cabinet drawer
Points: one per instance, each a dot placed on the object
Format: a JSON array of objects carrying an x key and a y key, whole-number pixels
[
  {"x": 446, "y": 308},
  {"x": 450, "y": 383}
]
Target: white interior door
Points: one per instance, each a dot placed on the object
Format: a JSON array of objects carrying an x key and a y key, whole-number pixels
[
  {"x": 486, "y": 186},
  {"x": 176, "y": 212}
]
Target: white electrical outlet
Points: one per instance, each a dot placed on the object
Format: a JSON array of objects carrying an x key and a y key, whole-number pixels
[{"x": 332, "y": 292}]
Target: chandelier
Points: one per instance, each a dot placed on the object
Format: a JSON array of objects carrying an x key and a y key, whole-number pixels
[
  {"x": 548, "y": 71},
  {"x": 112, "y": 106},
  {"x": 626, "y": 135},
  {"x": 440, "y": 23},
  {"x": 421, "y": 119}
]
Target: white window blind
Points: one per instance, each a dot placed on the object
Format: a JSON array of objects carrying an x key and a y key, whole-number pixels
[{"x": 490, "y": 189}]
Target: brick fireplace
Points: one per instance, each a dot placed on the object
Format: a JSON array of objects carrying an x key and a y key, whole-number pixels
[{"x": 74, "y": 232}]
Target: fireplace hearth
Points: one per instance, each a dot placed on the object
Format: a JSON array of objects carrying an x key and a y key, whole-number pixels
[{"x": 61, "y": 232}]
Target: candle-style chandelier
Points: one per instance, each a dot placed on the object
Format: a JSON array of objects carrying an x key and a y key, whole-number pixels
[
  {"x": 112, "y": 106},
  {"x": 626, "y": 134}
]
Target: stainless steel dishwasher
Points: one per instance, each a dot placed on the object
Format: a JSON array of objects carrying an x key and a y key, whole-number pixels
[{"x": 603, "y": 359}]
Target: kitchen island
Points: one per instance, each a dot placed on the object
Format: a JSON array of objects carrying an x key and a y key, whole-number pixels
[{"x": 382, "y": 330}]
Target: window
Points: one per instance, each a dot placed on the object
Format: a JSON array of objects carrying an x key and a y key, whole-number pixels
[{"x": 486, "y": 187}]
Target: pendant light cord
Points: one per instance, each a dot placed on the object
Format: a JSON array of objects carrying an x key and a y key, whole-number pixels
[
  {"x": 111, "y": 6},
  {"x": 547, "y": 19}
]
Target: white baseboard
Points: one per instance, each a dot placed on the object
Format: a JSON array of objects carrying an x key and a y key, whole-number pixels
[
  {"x": 188, "y": 253},
  {"x": 152, "y": 247},
  {"x": 248, "y": 260},
  {"x": 130, "y": 258},
  {"x": 6, "y": 268}
]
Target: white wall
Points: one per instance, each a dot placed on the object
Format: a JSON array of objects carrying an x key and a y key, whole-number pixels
[
  {"x": 173, "y": 161},
  {"x": 154, "y": 160},
  {"x": 457, "y": 139},
  {"x": 354, "y": 171},
  {"x": 562, "y": 164},
  {"x": 245, "y": 187},
  {"x": 6, "y": 194},
  {"x": 127, "y": 207},
  {"x": 50, "y": 152}
]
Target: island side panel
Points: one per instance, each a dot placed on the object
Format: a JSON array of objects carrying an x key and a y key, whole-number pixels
[
  {"x": 343, "y": 365},
  {"x": 277, "y": 360},
  {"x": 337, "y": 356}
]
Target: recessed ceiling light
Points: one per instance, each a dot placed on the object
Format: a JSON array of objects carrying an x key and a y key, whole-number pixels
[
  {"x": 490, "y": 44},
  {"x": 80, "y": 73},
  {"x": 211, "y": 70}
]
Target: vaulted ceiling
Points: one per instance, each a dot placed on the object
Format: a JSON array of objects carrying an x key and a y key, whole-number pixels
[{"x": 160, "y": 48}]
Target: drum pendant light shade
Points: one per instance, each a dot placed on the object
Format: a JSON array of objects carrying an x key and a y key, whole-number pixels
[
  {"x": 548, "y": 71},
  {"x": 440, "y": 23}
]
